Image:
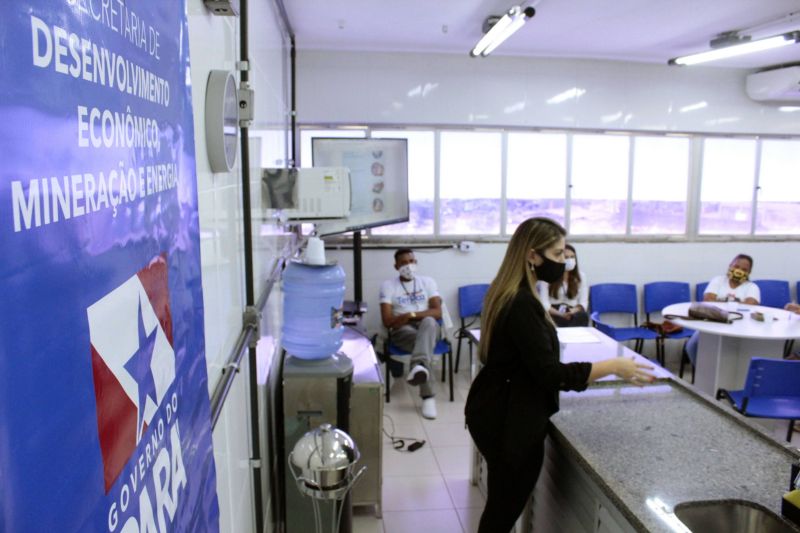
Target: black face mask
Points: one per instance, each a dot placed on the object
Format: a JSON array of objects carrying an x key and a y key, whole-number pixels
[{"x": 550, "y": 270}]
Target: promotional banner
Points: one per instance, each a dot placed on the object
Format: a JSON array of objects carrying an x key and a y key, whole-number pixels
[{"x": 104, "y": 408}]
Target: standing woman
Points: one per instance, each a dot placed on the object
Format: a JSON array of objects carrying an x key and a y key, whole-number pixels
[
  {"x": 567, "y": 299},
  {"x": 516, "y": 392}
]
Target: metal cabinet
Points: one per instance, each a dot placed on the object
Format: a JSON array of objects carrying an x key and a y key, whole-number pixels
[{"x": 366, "y": 418}]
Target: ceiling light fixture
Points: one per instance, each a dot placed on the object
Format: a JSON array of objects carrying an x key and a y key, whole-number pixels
[
  {"x": 731, "y": 45},
  {"x": 498, "y": 29}
]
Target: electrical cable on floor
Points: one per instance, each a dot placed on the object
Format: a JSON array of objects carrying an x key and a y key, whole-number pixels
[{"x": 399, "y": 443}]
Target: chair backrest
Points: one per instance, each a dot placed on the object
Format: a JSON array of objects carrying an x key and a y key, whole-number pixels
[
  {"x": 659, "y": 294},
  {"x": 470, "y": 299},
  {"x": 774, "y": 292},
  {"x": 613, "y": 298},
  {"x": 699, "y": 289},
  {"x": 772, "y": 377}
]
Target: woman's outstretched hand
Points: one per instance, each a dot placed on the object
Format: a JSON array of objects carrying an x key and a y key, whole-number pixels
[{"x": 634, "y": 372}]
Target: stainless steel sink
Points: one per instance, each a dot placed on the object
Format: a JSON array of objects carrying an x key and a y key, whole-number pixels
[{"x": 731, "y": 516}]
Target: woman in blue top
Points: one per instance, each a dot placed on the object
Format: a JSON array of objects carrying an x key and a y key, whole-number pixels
[{"x": 516, "y": 392}]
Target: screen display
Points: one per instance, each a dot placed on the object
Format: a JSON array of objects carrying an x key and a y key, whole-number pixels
[{"x": 378, "y": 180}]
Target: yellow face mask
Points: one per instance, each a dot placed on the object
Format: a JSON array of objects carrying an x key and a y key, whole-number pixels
[{"x": 737, "y": 274}]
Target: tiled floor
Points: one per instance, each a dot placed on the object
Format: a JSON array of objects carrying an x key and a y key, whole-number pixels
[{"x": 428, "y": 489}]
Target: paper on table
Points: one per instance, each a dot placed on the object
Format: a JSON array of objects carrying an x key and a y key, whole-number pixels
[{"x": 576, "y": 335}]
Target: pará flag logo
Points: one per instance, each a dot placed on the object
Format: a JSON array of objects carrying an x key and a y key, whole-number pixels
[{"x": 133, "y": 361}]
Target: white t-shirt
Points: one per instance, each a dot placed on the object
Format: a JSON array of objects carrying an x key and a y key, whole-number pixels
[
  {"x": 721, "y": 287},
  {"x": 582, "y": 298},
  {"x": 408, "y": 296}
]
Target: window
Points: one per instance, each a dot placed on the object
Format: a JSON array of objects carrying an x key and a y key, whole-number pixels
[
  {"x": 307, "y": 135},
  {"x": 778, "y": 209},
  {"x": 470, "y": 177},
  {"x": 599, "y": 196},
  {"x": 660, "y": 185},
  {"x": 727, "y": 181},
  {"x": 611, "y": 184},
  {"x": 421, "y": 157},
  {"x": 536, "y": 173}
]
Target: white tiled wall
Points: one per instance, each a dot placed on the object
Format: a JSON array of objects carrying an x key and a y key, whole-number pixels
[{"x": 214, "y": 44}]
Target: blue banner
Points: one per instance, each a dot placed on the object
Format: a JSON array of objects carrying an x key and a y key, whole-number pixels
[{"x": 104, "y": 409}]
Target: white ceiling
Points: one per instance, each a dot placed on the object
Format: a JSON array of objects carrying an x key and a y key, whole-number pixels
[{"x": 649, "y": 31}]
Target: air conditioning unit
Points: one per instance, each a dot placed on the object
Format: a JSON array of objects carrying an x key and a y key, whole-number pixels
[{"x": 778, "y": 85}]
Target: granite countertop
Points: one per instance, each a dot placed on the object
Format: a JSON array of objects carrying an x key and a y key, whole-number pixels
[{"x": 669, "y": 442}]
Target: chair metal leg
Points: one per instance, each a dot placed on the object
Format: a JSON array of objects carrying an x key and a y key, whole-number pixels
[
  {"x": 459, "y": 338},
  {"x": 444, "y": 365},
  {"x": 660, "y": 351},
  {"x": 387, "y": 383},
  {"x": 450, "y": 357},
  {"x": 787, "y": 348},
  {"x": 791, "y": 430}
]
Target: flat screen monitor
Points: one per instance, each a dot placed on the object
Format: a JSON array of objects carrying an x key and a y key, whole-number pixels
[{"x": 378, "y": 180}]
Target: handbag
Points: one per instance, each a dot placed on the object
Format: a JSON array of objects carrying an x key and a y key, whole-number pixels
[
  {"x": 663, "y": 328},
  {"x": 709, "y": 313}
]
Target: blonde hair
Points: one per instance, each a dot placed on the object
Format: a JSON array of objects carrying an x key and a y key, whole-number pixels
[{"x": 538, "y": 234}]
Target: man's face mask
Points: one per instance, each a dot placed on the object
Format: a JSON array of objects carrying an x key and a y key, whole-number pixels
[
  {"x": 408, "y": 271},
  {"x": 737, "y": 274}
]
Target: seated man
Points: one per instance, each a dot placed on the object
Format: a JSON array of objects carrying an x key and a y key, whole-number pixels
[
  {"x": 733, "y": 287},
  {"x": 410, "y": 308}
]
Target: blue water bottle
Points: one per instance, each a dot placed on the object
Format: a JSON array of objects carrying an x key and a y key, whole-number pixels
[{"x": 312, "y": 310}]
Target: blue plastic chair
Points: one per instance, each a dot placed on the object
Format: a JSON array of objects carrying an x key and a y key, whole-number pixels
[
  {"x": 618, "y": 298},
  {"x": 771, "y": 390},
  {"x": 657, "y": 296},
  {"x": 442, "y": 348},
  {"x": 774, "y": 292},
  {"x": 699, "y": 289},
  {"x": 470, "y": 305}
]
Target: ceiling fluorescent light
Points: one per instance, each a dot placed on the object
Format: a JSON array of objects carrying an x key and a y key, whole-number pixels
[
  {"x": 748, "y": 47},
  {"x": 501, "y": 30}
]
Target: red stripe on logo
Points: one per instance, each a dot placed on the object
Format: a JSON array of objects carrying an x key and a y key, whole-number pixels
[
  {"x": 154, "y": 281},
  {"x": 116, "y": 420}
]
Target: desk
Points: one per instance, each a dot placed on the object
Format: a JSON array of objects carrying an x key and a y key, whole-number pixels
[
  {"x": 577, "y": 345},
  {"x": 724, "y": 350}
]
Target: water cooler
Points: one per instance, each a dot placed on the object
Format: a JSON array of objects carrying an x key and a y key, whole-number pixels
[{"x": 317, "y": 380}]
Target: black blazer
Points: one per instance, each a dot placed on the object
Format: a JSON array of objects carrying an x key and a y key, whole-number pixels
[{"x": 513, "y": 397}]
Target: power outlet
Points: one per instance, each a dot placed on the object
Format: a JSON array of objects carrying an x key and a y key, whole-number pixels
[{"x": 466, "y": 246}]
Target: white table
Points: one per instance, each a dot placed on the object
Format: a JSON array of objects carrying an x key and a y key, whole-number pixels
[
  {"x": 724, "y": 350},
  {"x": 581, "y": 344}
]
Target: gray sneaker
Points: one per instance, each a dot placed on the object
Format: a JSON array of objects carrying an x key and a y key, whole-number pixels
[{"x": 417, "y": 375}]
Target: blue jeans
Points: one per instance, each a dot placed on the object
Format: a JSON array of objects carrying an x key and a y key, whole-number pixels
[{"x": 691, "y": 348}]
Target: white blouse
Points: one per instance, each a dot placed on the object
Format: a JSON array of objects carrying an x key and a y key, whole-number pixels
[{"x": 581, "y": 298}]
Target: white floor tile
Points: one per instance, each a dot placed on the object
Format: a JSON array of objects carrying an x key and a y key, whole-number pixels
[
  {"x": 443, "y": 433},
  {"x": 401, "y": 415},
  {"x": 407, "y": 493},
  {"x": 454, "y": 460},
  {"x": 441, "y": 521},
  {"x": 413, "y": 430},
  {"x": 365, "y": 522},
  {"x": 420, "y": 462},
  {"x": 447, "y": 411},
  {"x": 470, "y": 518},
  {"x": 464, "y": 494}
]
